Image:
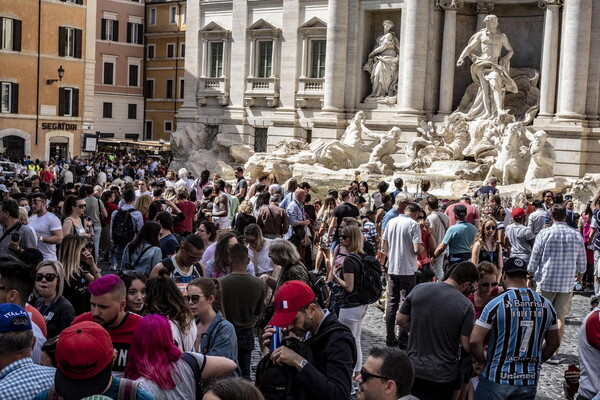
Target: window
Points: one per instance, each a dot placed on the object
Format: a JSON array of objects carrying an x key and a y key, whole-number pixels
[
  {"x": 151, "y": 51},
  {"x": 181, "y": 49},
  {"x": 68, "y": 102},
  {"x": 10, "y": 34},
  {"x": 216, "y": 59},
  {"x": 10, "y": 98},
  {"x": 181, "y": 88},
  {"x": 173, "y": 15},
  {"x": 309, "y": 136},
  {"x": 169, "y": 89},
  {"x": 107, "y": 135},
  {"x": 108, "y": 74},
  {"x": 149, "y": 89},
  {"x": 106, "y": 110},
  {"x": 148, "y": 130},
  {"x": 132, "y": 111},
  {"x": 152, "y": 16},
  {"x": 134, "y": 71},
  {"x": 109, "y": 30},
  {"x": 183, "y": 14},
  {"x": 317, "y": 59},
  {"x": 265, "y": 59},
  {"x": 80, "y": 2},
  {"x": 168, "y": 126},
  {"x": 69, "y": 42},
  {"x": 170, "y": 50},
  {"x": 132, "y": 136},
  {"x": 135, "y": 33},
  {"x": 260, "y": 140}
]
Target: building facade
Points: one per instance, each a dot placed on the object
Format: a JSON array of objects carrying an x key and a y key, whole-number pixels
[
  {"x": 165, "y": 64},
  {"x": 119, "y": 96},
  {"x": 264, "y": 71},
  {"x": 43, "y": 114}
]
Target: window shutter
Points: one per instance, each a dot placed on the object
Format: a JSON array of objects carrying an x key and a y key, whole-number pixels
[
  {"x": 14, "y": 106},
  {"x": 115, "y": 31},
  {"x": 1, "y": 30},
  {"x": 103, "y": 30},
  {"x": 78, "y": 41},
  {"x": 17, "y": 35},
  {"x": 61, "y": 101},
  {"x": 129, "y": 32},
  {"x": 140, "y": 34},
  {"x": 75, "y": 107},
  {"x": 62, "y": 34}
]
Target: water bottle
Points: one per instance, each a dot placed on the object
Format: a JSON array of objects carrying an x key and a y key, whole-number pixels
[{"x": 276, "y": 338}]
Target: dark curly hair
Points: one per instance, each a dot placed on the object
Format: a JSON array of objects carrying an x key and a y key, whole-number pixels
[{"x": 163, "y": 297}]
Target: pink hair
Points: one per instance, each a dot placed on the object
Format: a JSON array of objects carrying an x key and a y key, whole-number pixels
[
  {"x": 106, "y": 284},
  {"x": 153, "y": 352}
]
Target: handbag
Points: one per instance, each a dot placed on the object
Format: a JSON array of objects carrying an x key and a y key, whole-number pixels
[
  {"x": 299, "y": 231},
  {"x": 381, "y": 257}
]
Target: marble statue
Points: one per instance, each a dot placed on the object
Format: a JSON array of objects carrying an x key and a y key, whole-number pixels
[
  {"x": 510, "y": 165},
  {"x": 350, "y": 151},
  {"x": 543, "y": 157},
  {"x": 490, "y": 71},
  {"x": 382, "y": 64},
  {"x": 380, "y": 160}
]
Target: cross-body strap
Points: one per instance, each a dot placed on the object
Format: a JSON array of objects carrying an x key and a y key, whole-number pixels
[{"x": 15, "y": 227}]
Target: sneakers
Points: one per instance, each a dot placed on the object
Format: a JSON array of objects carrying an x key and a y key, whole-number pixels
[
  {"x": 113, "y": 267},
  {"x": 554, "y": 360},
  {"x": 391, "y": 343}
]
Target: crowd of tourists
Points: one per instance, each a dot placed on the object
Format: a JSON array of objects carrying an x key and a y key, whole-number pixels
[{"x": 121, "y": 278}]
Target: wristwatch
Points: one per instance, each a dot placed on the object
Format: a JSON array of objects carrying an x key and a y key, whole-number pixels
[{"x": 302, "y": 364}]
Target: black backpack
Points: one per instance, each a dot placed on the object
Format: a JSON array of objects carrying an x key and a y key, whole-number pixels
[
  {"x": 123, "y": 227},
  {"x": 318, "y": 284},
  {"x": 370, "y": 286}
]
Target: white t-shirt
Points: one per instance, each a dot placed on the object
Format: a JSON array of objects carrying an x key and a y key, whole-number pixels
[
  {"x": 44, "y": 226},
  {"x": 185, "y": 341},
  {"x": 263, "y": 262},
  {"x": 185, "y": 386},
  {"x": 400, "y": 233}
]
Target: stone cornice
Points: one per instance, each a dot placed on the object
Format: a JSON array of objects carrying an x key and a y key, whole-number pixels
[
  {"x": 545, "y": 3},
  {"x": 450, "y": 5},
  {"x": 483, "y": 7}
]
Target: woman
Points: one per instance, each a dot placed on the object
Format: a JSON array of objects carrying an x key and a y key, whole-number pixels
[
  {"x": 363, "y": 190},
  {"x": 171, "y": 178},
  {"x": 486, "y": 246},
  {"x": 142, "y": 204},
  {"x": 143, "y": 252},
  {"x": 218, "y": 266},
  {"x": 499, "y": 214},
  {"x": 353, "y": 189},
  {"x": 216, "y": 335},
  {"x": 284, "y": 254},
  {"x": 56, "y": 202},
  {"x": 202, "y": 183},
  {"x": 386, "y": 205},
  {"x": 324, "y": 219},
  {"x": 488, "y": 286},
  {"x": 244, "y": 217},
  {"x": 108, "y": 199},
  {"x": 207, "y": 232},
  {"x": 185, "y": 226},
  {"x": 163, "y": 297},
  {"x": 423, "y": 260},
  {"x": 347, "y": 275},
  {"x": 233, "y": 389},
  {"x": 258, "y": 250},
  {"x": 135, "y": 284},
  {"x": 77, "y": 260},
  {"x": 56, "y": 310},
  {"x": 585, "y": 227},
  {"x": 160, "y": 366},
  {"x": 73, "y": 210},
  {"x": 220, "y": 212},
  {"x": 262, "y": 200}
]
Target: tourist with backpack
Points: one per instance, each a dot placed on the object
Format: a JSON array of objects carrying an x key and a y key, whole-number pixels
[
  {"x": 143, "y": 252},
  {"x": 125, "y": 222}
]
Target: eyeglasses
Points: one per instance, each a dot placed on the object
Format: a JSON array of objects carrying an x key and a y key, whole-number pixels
[
  {"x": 490, "y": 228},
  {"x": 486, "y": 284},
  {"x": 47, "y": 277},
  {"x": 344, "y": 237},
  {"x": 81, "y": 205},
  {"x": 365, "y": 375},
  {"x": 202, "y": 231},
  {"x": 195, "y": 298}
]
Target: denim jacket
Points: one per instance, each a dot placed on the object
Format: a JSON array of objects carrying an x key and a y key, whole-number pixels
[{"x": 219, "y": 339}]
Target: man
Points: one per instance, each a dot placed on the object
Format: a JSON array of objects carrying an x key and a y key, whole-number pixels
[
  {"x": 558, "y": 256},
  {"x": 386, "y": 375},
  {"x": 20, "y": 378},
  {"x": 9, "y": 218},
  {"x": 398, "y": 183},
  {"x": 458, "y": 239},
  {"x": 439, "y": 223},
  {"x": 488, "y": 189},
  {"x": 184, "y": 180},
  {"x": 329, "y": 375},
  {"x": 142, "y": 189},
  {"x": 496, "y": 201},
  {"x": 402, "y": 199},
  {"x": 548, "y": 197},
  {"x": 571, "y": 221},
  {"x": 589, "y": 355},
  {"x": 273, "y": 220},
  {"x": 168, "y": 242},
  {"x": 594, "y": 238},
  {"x": 95, "y": 210},
  {"x": 472, "y": 216},
  {"x": 118, "y": 237},
  {"x": 402, "y": 243},
  {"x": 262, "y": 180},
  {"x": 345, "y": 209},
  {"x": 184, "y": 266},
  {"x": 46, "y": 225},
  {"x": 520, "y": 236},
  {"x": 297, "y": 221},
  {"x": 243, "y": 301},
  {"x": 84, "y": 355},
  {"x": 241, "y": 186},
  {"x": 108, "y": 309},
  {"x": 536, "y": 219},
  {"x": 523, "y": 334},
  {"x": 440, "y": 318}
]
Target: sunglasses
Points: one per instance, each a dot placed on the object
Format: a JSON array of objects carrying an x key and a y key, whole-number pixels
[
  {"x": 81, "y": 205},
  {"x": 47, "y": 277},
  {"x": 195, "y": 298},
  {"x": 365, "y": 375},
  {"x": 344, "y": 237},
  {"x": 486, "y": 284},
  {"x": 490, "y": 228}
]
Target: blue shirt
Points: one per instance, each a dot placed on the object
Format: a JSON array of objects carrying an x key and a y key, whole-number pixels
[
  {"x": 392, "y": 213},
  {"x": 295, "y": 212},
  {"x": 23, "y": 379},
  {"x": 459, "y": 237}
]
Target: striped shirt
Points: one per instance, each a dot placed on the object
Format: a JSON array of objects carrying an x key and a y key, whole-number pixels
[{"x": 518, "y": 320}]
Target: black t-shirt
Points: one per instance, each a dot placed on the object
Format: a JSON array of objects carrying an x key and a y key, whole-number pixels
[
  {"x": 486, "y": 190},
  {"x": 342, "y": 211},
  {"x": 351, "y": 266}
]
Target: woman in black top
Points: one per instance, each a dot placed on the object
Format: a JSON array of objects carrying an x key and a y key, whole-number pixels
[
  {"x": 56, "y": 310},
  {"x": 486, "y": 246}
]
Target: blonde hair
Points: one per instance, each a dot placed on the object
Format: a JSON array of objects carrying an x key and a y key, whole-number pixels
[
  {"x": 60, "y": 276},
  {"x": 23, "y": 216},
  {"x": 142, "y": 204},
  {"x": 245, "y": 207},
  {"x": 356, "y": 239},
  {"x": 70, "y": 255},
  {"x": 282, "y": 249},
  {"x": 480, "y": 237},
  {"x": 182, "y": 193}
]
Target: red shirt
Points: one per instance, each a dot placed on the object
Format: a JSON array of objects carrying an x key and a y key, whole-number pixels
[
  {"x": 188, "y": 209},
  {"x": 592, "y": 330},
  {"x": 110, "y": 207},
  {"x": 37, "y": 318},
  {"x": 472, "y": 213},
  {"x": 121, "y": 336},
  {"x": 46, "y": 176}
]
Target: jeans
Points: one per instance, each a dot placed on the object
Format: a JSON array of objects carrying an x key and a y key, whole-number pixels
[
  {"x": 429, "y": 390},
  {"x": 119, "y": 255},
  {"x": 353, "y": 319},
  {"x": 596, "y": 272},
  {"x": 245, "y": 339},
  {"x": 488, "y": 390},
  {"x": 97, "y": 232},
  {"x": 398, "y": 287}
]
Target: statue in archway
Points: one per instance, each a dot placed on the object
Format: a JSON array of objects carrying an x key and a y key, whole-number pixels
[{"x": 382, "y": 64}]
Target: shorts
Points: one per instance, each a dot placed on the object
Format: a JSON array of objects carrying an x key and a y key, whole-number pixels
[{"x": 561, "y": 301}]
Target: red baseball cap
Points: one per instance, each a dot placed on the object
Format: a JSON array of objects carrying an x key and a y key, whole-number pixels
[
  {"x": 518, "y": 212},
  {"x": 289, "y": 299},
  {"x": 84, "y": 354}
]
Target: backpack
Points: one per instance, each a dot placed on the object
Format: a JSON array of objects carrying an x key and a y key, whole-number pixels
[
  {"x": 197, "y": 369},
  {"x": 128, "y": 390},
  {"x": 127, "y": 264},
  {"x": 318, "y": 284},
  {"x": 370, "y": 286},
  {"x": 123, "y": 227}
]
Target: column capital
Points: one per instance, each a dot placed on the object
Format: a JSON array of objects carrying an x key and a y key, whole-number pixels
[
  {"x": 546, "y": 3},
  {"x": 449, "y": 5},
  {"x": 483, "y": 7}
]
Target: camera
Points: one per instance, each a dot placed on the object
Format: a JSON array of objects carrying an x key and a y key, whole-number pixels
[{"x": 15, "y": 237}]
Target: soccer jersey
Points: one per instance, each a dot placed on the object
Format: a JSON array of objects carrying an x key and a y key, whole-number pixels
[{"x": 518, "y": 319}]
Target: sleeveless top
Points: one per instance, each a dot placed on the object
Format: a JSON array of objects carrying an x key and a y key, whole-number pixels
[{"x": 491, "y": 256}]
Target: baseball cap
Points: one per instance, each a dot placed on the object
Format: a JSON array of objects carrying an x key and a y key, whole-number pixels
[
  {"x": 289, "y": 299},
  {"x": 11, "y": 318},
  {"x": 515, "y": 264},
  {"x": 518, "y": 212},
  {"x": 84, "y": 354},
  {"x": 460, "y": 210},
  {"x": 3, "y": 188}
]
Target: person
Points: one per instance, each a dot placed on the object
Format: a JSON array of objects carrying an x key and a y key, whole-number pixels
[
  {"x": 363, "y": 190},
  {"x": 84, "y": 356},
  {"x": 216, "y": 335},
  {"x": 382, "y": 188},
  {"x": 382, "y": 63},
  {"x": 145, "y": 206},
  {"x": 168, "y": 243},
  {"x": 184, "y": 266},
  {"x": 298, "y": 222},
  {"x": 284, "y": 254},
  {"x": 118, "y": 238},
  {"x": 558, "y": 256},
  {"x": 520, "y": 237},
  {"x": 188, "y": 209},
  {"x": 589, "y": 355},
  {"x": 386, "y": 375},
  {"x": 489, "y": 189},
  {"x": 46, "y": 225},
  {"x": 594, "y": 238},
  {"x": 184, "y": 180},
  {"x": 400, "y": 202},
  {"x": 273, "y": 220},
  {"x": 96, "y": 211},
  {"x": 241, "y": 186},
  {"x": 57, "y": 311},
  {"x": 381, "y": 211},
  {"x": 207, "y": 232},
  {"x": 220, "y": 265},
  {"x": 472, "y": 217},
  {"x": 523, "y": 334},
  {"x": 329, "y": 374},
  {"x": 425, "y": 272},
  {"x": 585, "y": 227},
  {"x": 433, "y": 342},
  {"x": 73, "y": 220},
  {"x": 488, "y": 286},
  {"x": 20, "y": 378},
  {"x": 548, "y": 198},
  {"x": 135, "y": 284},
  {"x": 108, "y": 309},
  {"x": 108, "y": 200},
  {"x": 143, "y": 252},
  {"x": 221, "y": 211},
  {"x": 243, "y": 301},
  {"x": 9, "y": 218},
  {"x": 369, "y": 230},
  {"x": 458, "y": 239},
  {"x": 402, "y": 243},
  {"x": 142, "y": 189},
  {"x": 244, "y": 217},
  {"x": 398, "y": 184},
  {"x": 439, "y": 223},
  {"x": 232, "y": 389},
  {"x": 486, "y": 246},
  {"x": 536, "y": 220}
]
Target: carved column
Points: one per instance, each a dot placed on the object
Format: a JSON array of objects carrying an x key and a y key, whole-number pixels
[
  {"x": 549, "y": 57},
  {"x": 593, "y": 98},
  {"x": 482, "y": 9},
  {"x": 575, "y": 59},
  {"x": 335, "y": 53},
  {"x": 448, "y": 55}
]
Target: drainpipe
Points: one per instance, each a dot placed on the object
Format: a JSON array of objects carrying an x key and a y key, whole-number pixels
[{"x": 37, "y": 101}]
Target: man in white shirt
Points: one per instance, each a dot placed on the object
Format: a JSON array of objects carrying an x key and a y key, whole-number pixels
[
  {"x": 184, "y": 180},
  {"x": 142, "y": 189},
  {"x": 46, "y": 225}
]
